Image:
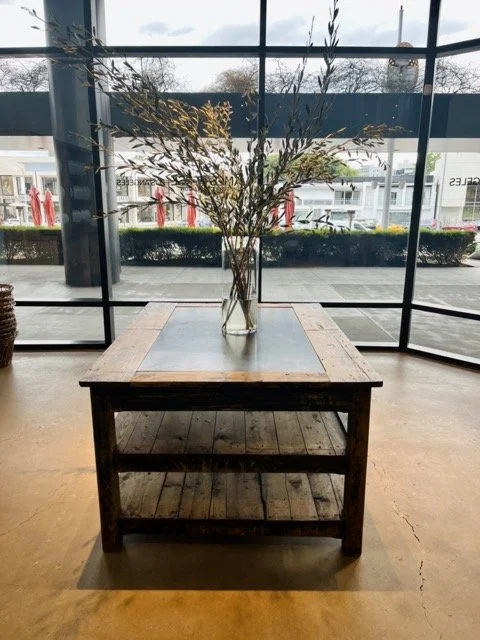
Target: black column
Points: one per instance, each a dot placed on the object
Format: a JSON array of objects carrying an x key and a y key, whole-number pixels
[{"x": 70, "y": 114}]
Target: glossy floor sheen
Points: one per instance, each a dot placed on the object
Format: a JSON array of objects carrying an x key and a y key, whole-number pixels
[{"x": 418, "y": 578}]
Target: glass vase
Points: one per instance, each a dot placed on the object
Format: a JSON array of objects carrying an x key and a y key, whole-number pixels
[{"x": 240, "y": 259}]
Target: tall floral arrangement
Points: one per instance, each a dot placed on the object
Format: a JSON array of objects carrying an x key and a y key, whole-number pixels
[{"x": 192, "y": 148}]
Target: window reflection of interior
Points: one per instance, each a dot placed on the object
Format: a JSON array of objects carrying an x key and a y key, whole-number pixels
[
  {"x": 144, "y": 190},
  {"x": 122, "y": 189},
  {"x": 6, "y": 186},
  {"x": 471, "y": 210},
  {"x": 50, "y": 183},
  {"x": 347, "y": 197}
]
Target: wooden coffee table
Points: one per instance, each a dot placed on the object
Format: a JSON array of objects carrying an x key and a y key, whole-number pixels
[{"x": 197, "y": 433}]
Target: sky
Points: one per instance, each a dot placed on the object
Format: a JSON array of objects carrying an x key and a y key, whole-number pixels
[
  {"x": 216, "y": 22},
  {"x": 221, "y": 22}
]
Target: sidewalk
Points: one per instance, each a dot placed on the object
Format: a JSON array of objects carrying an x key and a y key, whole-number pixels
[{"x": 458, "y": 287}]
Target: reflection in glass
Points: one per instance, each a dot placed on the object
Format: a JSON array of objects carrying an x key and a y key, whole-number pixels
[
  {"x": 456, "y": 336},
  {"x": 59, "y": 323},
  {"x": 368, "y": 325}
]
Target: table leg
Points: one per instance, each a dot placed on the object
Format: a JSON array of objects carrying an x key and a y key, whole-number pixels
[
  {"x": 355, "y": 478},
  {"x": 104, "y": 437}
]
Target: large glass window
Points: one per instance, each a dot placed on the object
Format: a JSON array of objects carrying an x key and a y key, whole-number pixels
[
  {"x": 59, "y": 323},
  {"x": 16, "y": 25},
  {"x": 454, "y": 336},
  {"x": 458, "y": 21},
  {"x": 51, "y": 183},
  {"x": 29, "y": 75},
  {"x": 183, "y": 23},
  {"x": 161, "y": 257},
  {"x": 368, "y": 325},
  {"x": 471, "y": 209},
  {"x": 348, "y": 240},
  {"x": 453, "y": 168},
  {"x": 351, "y": 76},
  {"x": 369, "y": 23},
  {"x": 356, "y": 240}
]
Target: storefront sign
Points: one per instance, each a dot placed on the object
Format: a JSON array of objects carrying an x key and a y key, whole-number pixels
[
  {"x": 125, "y": 182},
  {"x": 461, "y": 182}
]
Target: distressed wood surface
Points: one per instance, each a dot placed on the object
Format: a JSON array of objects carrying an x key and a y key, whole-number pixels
[
  {"x": 232, "y": 440},
  {"x": 287, "y": 497},
  {"x": 355, "y": 479},
  {"x": 256, "y": 453},
  {"x": 119, "y": 365},
  {"x": 104, "y": 437}
]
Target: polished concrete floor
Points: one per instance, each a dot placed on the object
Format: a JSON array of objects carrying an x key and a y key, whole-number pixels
[{"x": 418, "y": 577}]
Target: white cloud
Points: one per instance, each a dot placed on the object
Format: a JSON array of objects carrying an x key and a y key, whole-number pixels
[
  {"x": 180, "y": 32},
  {"x": 154, "y": 28},
  {"x": 239, "y": 34}
]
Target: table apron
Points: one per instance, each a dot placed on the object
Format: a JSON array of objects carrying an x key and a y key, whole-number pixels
[{"x": 260, "y": 399}]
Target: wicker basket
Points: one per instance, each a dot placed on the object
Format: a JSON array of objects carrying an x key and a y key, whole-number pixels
[{"x": 8, "y": 324}]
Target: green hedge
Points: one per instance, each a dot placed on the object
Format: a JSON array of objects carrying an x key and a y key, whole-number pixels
[
  {"x": 202, "y": 247},
  {"x": 364, "y": 249},
  {"x": 30, "y": 245},
  {"x": 181, "y": 246}
]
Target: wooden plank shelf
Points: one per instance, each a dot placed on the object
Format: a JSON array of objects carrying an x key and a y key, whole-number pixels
[
  {"x": 294, "y": 504},
  {"x": 275, "y": 439},
  {"x": 249, "y": 441}
]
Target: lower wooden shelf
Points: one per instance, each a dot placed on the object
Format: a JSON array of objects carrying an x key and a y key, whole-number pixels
[
  {"x": 293, "y": 504},
  {"x": 247, "y": 441}
]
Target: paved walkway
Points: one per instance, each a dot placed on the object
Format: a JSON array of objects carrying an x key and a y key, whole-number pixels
[{"x": 458, "y": 287}]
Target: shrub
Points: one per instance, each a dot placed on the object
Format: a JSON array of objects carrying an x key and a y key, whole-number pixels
[
  {"x": 176, "y": 246},
  {"x": 30, "y": 245},
  {"x": 183, "y": 246},
  {"x": 446, "y": 248}
]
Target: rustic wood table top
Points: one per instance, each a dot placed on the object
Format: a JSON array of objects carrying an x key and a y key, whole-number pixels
[{"x": 175, "y": 343}]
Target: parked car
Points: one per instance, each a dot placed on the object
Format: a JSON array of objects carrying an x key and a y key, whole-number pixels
[{"x": 344, "y": 226}]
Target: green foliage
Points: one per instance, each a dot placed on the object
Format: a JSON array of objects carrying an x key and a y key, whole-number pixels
[
  {"x": 363, "y": 249},
  {"x": 319, "y": 167},
  {"x": 444, "y": 247},
  {"x": 431, "y": 162},
  {"x": 181, "y": 246},
  {"x": 31, "y": 245},
  {"x": 184, "y": 246}
]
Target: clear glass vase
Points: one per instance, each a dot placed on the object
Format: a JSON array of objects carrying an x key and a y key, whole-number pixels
[{"x": 240, "y": 258}]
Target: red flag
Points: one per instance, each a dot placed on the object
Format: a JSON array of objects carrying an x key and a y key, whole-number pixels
[
  {"x": 289, "y": 209},
  {"x": 275, "y": 216},
  {"x": 161, "y": 211},
  {"x": 49, "y": 208},
  {"x": 192, "y": 209},
  {"x": 34, "y": 195}
]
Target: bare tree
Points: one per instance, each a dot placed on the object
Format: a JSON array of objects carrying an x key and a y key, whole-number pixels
[
  {"x": 453, "y": 77},
  {"x": 280, "y": 79},
  {"x": 358, "y": 76},
  {"x": 158, "y": 72},
  {"x": 238, "y": 79},
  {"x": 25, "y": 75}
]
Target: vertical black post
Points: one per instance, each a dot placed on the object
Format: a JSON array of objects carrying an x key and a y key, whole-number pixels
[
  {"x": 99, "y": 180},
  {"x": 261, "y": 110},
  {"x": 70, "y": 116},
  {"x": 422, "y": 148}
]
